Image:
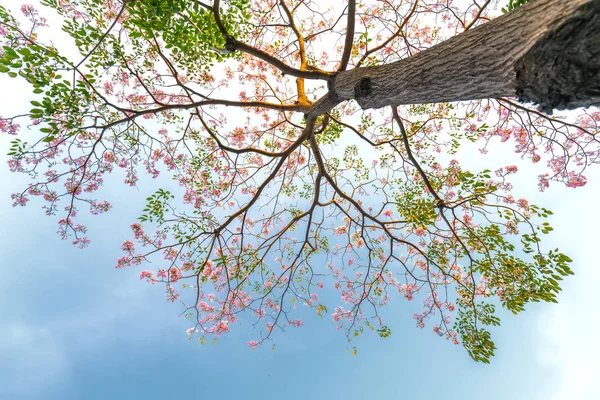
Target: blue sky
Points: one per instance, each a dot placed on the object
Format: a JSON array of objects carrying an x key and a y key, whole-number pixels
[{"x": 73, "y": 327}]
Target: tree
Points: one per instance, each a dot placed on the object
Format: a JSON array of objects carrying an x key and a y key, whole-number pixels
[{"x": 286, "y": 186}]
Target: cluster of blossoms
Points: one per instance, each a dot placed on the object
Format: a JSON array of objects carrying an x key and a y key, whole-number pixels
[{"x": 7, "y": 126}]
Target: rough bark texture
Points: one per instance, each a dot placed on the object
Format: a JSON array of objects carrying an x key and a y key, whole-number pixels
[
  {"x": 562, "y": 70},
  {"x": 547, "y": 52}
]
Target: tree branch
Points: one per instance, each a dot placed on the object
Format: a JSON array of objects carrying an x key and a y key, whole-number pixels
[
  {"x": 348, "y": 43},
  {"x": 520, "y": 53},
  {"x": 302, "y": 99},
  {"x": 233, "y": 44}
]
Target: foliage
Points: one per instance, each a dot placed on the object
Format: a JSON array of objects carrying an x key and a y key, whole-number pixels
[
  {"x": 512, "y": 4},
  {"x": 273, "y": 205}
]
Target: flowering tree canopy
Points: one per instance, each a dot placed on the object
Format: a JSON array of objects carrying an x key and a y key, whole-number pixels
[{"x": 313, "y": 146}]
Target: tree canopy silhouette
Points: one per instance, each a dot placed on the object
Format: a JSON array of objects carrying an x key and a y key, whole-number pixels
[{"x": 313, "y": 145}]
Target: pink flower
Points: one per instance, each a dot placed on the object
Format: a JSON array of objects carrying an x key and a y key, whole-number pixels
[
  {"x": 82, "y": 242},
  {"x": 128, "y": 246},
  {"x": 420, "y": 232},
  {"x": 174, "y": 274},
  {"x": 170, "y": 253},
  {"x": 149, "y": 276},
  {"x": 172, "y": 294},
  {"x": 205, "y": 307},
  {"x": 284, "y": 279},
  {"x": 388, "y": 213},
  {"x": 138, "y": 230},
  {"x": 7, "y": 126},
  {"x": 297, "y": 323},
  {"x": 27, "y": 10},
  {"x": 187, "y": 266},
  {"x": 220, "y": 328},
  {"x": 123, "y": 262},
  {"x": 576, "y": 181},
  {"x": 109, "y": 157},
  {"x": 340, "y": 230},
  {"x": 524, "y": 204},
  {"x": 19, "y": 199}
]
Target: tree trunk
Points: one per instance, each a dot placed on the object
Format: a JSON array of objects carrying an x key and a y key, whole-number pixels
[{"x": 546, "y": 52}]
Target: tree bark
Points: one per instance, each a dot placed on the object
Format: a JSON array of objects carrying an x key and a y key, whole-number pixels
[{"x": 546, "y": 52}]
